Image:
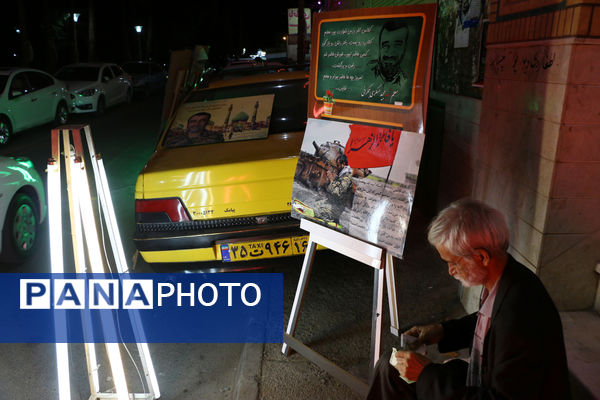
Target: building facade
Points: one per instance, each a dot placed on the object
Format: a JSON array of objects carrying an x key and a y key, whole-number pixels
[{"x": 514, "y": 120}]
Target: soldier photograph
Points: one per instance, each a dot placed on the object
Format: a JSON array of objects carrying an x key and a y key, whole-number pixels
[
  {"x": 195, "y": 132},
  {"x": 327, "y": 174}
]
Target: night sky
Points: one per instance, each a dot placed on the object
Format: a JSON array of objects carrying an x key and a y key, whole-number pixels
[{"x": 227, "y": 26}]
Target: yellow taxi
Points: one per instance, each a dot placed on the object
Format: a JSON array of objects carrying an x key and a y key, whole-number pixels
[{"x": 219, "y": 184}]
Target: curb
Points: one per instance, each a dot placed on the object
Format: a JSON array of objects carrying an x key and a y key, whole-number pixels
[{"x": 248, "y": 372}]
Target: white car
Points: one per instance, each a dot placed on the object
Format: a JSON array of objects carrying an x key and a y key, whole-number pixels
[
  {"x": 28, "y": 98},
  {"x": 95, "y": 86},
  {"x": 22, "y": 208}
]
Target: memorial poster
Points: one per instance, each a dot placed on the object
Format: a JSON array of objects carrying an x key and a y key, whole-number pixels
[
  {"x": 217, "y": 121},
  {"x": 370, "y": 60},
  {"x": 375, "y": 63},
  {"x": 358, "y": 179}
]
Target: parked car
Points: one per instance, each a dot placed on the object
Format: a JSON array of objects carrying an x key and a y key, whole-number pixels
[
  {"x": 22, "y": 208},
  {"x": 147, "y": 77},
  {"x": 28, "y": 98},
  {"x": 95, "y": 86},
  {"x": 227, "y": 200}
]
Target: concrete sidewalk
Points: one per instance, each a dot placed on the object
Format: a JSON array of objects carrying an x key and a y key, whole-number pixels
[
  {"x": 582, "y": 341},
  {"x": 264, "y": 373},
  {"x": 336, "y": 322}
]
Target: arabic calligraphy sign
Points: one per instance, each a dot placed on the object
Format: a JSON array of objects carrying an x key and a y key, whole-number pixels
[
  {"x": 293, "y": 20},
  {"x": 370, "y": 60},
  {"x": 377, "y": 63},
  {"x": 370, "y": 146}
]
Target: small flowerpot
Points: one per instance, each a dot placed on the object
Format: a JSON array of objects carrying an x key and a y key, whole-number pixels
[{"x": 328, "y": 108}]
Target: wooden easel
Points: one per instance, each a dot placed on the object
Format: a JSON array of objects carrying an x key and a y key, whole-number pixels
[{"x": 373, "y": 256}]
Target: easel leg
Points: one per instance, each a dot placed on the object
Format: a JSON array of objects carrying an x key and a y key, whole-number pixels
[
  {"x": 390, "y": 280},
  {"x": 379, "y": 276},
  {"x": 304, "y": 275}
]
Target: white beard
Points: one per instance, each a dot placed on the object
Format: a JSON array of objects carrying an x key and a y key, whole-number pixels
[{"x": 475, "y": 275}]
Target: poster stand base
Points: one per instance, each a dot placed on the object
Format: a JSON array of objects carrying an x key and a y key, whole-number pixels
[{"x": 366, "y": 253}]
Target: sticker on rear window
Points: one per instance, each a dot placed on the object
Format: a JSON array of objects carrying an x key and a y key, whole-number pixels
[{"x": 218, "y": 121}]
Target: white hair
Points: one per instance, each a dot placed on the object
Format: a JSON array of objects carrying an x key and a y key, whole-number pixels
[{"x": 467, "y": 225}]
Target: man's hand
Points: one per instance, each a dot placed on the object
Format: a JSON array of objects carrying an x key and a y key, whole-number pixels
[
  {"x": 410, "y": 364},
  {"x": 425, "y": 334}
]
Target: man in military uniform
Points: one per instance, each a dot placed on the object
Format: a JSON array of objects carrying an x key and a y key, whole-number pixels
[
  {"x": 390, "y": 82},
  {"x": 195, "y": 132},
  {"x": 340, "y": 192}
]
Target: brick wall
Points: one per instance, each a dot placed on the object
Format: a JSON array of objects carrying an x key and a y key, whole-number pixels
[{"x": 564, "y": 19}]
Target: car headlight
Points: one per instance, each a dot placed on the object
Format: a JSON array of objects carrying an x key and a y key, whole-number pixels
[{"x": 87, "y": 92}]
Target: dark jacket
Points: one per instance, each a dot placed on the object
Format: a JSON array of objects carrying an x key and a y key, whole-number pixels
[{"x": 524, "y": 353}]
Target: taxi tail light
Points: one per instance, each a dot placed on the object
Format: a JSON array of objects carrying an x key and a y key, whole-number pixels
[{"x": 160, "y": 210}]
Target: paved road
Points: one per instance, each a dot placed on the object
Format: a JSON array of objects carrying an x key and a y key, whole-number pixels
[
  {"x": 335, "y": 319},
  {"x": 125, "y": 136}
]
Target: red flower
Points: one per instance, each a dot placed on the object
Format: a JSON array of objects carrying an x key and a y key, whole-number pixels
[{"x": 328, "y": 96}]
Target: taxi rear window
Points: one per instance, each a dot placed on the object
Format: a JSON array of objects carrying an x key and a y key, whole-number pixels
[{"x": 288, "y": 113}]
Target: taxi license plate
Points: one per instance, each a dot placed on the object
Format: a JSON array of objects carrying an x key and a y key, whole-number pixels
[{"x": 242, "y": 251}]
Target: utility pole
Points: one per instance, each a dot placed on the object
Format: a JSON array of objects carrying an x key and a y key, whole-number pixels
[
  {"x": 74, "y": 45},
  {"x": 26, "y": 56},
  {"x": 149, "y": 38},
  {"x": 301, "y": 32},
  {"x": 50, "y": 52},
  {"x": 91, "y": 31}
]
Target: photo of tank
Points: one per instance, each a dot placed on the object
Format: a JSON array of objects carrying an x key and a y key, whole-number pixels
[
  {"x": 372, "y": 204},
  {"x": 327, "y": 174}
]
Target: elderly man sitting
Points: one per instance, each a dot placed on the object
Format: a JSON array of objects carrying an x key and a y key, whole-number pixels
[{"x": 516, "y": 340}]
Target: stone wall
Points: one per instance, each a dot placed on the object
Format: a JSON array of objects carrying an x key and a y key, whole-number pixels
[
  {"x": 536, "y": 154},
  {"x": 458, "y": 159}
]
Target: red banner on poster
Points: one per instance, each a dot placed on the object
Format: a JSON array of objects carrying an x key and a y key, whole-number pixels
[{"x": 371, "y": 147}]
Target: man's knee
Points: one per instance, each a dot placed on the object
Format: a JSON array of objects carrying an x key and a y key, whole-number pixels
[{"x": 384, "y": 367}]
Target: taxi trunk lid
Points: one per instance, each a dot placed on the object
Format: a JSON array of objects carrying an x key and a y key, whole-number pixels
[{"x": 225, "y": 180}]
